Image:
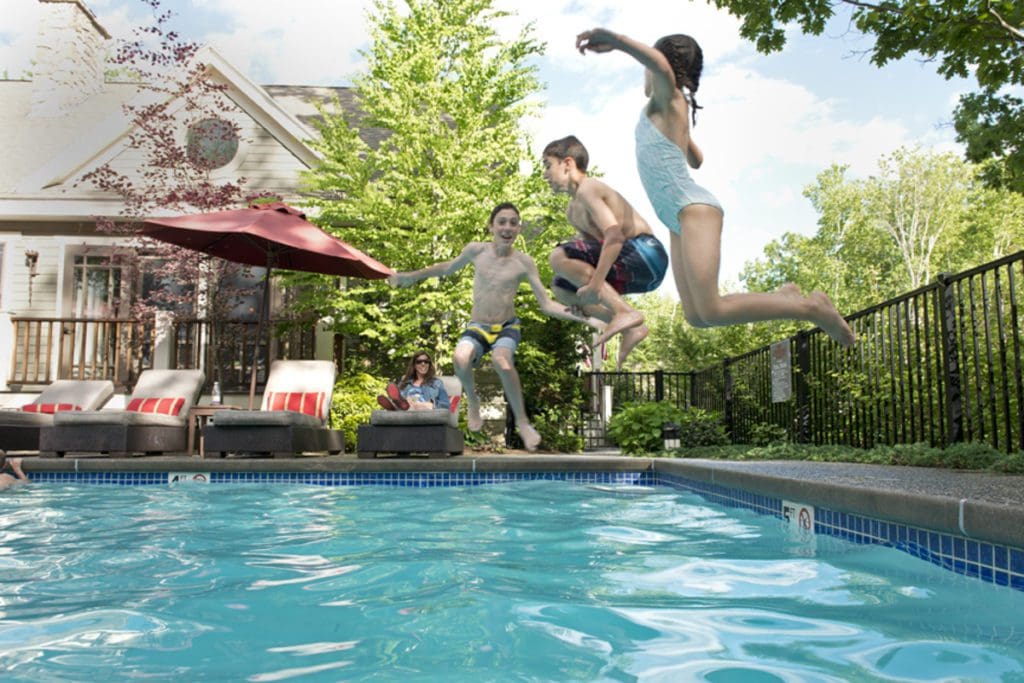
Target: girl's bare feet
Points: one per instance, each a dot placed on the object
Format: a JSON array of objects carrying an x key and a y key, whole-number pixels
[{"x": 828, "y": 318}]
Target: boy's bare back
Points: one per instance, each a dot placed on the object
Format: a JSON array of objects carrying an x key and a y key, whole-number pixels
[{"x": 595, "y": 198}]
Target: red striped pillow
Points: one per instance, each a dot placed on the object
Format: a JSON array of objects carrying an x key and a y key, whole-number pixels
[
  {"x": 156, "y": 406},
  {"x": 48, "y": 408},
  {"x": 310, "y": 402}
]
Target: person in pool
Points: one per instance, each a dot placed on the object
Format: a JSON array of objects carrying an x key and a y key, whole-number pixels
[
  {"x": 664, "y": 151},
  {"x": 10, "y": 471},
  {"x": 419, "y": 388}
]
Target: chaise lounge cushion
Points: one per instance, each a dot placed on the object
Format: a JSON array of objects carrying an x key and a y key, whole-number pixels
[
  {"x": 126, "y": 418},
  {"x": 88, "y": 394},
  {"x": 182, "y": 387},
  {"x": 293, "y": 418},
  {"x": 437, "y": 416},
  {"x": 266, "y": 418}
]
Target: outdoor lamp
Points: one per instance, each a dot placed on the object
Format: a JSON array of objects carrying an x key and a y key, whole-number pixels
[{"x": 670, "y": 435}]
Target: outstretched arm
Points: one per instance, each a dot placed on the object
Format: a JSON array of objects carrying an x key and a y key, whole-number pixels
[
  {"x": 602, "y": 40},
  {"x": 591, "y": 196},
  {"x": 549, "y": 306},
  {"x": 441, "y": 269}
]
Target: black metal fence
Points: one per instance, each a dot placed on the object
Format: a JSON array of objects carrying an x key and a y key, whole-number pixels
[{"x": 938, "y": 365}]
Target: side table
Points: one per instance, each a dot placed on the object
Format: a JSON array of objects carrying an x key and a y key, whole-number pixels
[{"x": 197, "y": 417}]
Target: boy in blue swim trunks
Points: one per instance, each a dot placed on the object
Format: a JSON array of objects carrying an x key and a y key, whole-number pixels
[
  {"x": 494, "y": 327},
  {"x": 664, "y": 151},
  {"x": 615, "y": 252}
]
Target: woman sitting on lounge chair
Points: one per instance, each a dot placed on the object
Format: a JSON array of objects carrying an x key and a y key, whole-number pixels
[{"x": 419, "y": 388}]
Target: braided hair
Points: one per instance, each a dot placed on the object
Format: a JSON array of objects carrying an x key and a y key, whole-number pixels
[{"x": 687, "y": 61}]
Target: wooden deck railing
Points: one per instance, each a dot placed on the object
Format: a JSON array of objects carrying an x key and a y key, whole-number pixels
[{"x": 46, "y": 349}]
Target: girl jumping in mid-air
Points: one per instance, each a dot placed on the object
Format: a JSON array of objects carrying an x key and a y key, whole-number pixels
[{"x": 664, "y": 148}]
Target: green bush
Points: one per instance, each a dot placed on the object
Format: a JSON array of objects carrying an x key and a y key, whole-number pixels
[
  {"x": 701, "y": 428},
  {"x": 355, "y": 397},
  {"x": 636, "y": 428},
  {"x": 767, "y": 433},
  {"x": 556, "y": 434}
]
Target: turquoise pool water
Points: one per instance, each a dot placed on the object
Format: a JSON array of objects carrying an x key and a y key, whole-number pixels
[{"x": 531, "y": 581}]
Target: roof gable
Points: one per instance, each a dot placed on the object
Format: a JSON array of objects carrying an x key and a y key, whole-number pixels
[{"x": 106, "y": 136}]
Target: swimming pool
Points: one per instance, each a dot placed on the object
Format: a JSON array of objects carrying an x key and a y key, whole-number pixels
[{"x": 530, "y": 580}]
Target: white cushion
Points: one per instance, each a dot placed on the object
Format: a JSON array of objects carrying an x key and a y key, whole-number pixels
[
  {"x": 437, "y": 416},
  {"x": 187, "y": 384},
  {"x": 264, "y": 418},
  {"x": 18, "y": 418},
  {"x": 301, "y": 376},
  {"x": 123, "y": 418},
  {"x": 87, "y": 394}
]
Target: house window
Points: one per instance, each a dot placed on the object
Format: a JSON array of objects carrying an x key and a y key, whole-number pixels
[
  {"x": 97, "y": 287},
  {"x": 162, "y": 290},
  {"x": 211, "y": 143}
]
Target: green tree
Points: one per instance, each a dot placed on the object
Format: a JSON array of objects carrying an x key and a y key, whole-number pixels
[
  {"x": 920, "y": 202},
  {"x": 983, "y": 37},
  {"x": 921, "y": 214},
  {"x": 448, "y": 97}
]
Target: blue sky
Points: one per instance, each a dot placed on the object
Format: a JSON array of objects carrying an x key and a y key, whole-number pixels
[{"x": 769, "y": 125}]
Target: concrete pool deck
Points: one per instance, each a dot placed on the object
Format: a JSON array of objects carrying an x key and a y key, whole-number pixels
[{"x": 980, "y": 505}]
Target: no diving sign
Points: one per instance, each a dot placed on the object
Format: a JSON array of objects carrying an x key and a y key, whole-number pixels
[{"x": 799, "y": 518}]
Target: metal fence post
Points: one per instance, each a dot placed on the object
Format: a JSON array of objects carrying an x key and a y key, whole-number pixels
[
  {"x": 659, "y": 385},
  {"x": 727, "y": 385},
  {"x": 803, "y": 391},
  {"x": 950, "y": 361}
]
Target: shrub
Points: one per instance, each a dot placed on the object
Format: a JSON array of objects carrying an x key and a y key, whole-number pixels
[
  {"x": 767, "y": 433},
  {"x": 355, "y": 397},
  {"x": 636, "y": 428},
  {"x": 556, "y": 434},
  {"x": 701, "y": 428}
]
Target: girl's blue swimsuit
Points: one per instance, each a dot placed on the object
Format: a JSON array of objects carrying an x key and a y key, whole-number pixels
[{"x": 665, "y": 175}]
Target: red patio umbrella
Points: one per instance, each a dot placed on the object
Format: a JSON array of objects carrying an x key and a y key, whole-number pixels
[{"x": 272, "y": 235}]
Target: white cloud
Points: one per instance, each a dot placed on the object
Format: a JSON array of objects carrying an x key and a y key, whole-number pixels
[
  {"x": 764, "y": 138},
  {"x": 18, "y": 37}
]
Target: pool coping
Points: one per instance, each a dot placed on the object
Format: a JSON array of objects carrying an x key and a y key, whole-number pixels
[{"x": 954, "y": 502}]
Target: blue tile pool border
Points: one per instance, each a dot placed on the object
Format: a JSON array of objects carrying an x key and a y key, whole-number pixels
[{"x": 990, "y": 562}]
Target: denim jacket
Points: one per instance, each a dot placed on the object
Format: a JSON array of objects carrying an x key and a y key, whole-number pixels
[{"x": 432, "y": 391}]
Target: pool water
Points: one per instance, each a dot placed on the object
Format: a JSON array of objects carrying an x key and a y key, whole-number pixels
[{"x": 530, "y": 581}]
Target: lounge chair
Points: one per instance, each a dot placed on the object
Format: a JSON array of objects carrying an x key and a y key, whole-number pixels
[
  {"x": 293, "y": 416},
  {"x": 19, "y": 429},
  {"x": 155, "y": 419},
  {"x": 434, "y": 433}
]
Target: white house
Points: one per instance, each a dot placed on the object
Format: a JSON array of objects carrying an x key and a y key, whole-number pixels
[{"x": 55, "y": 271}]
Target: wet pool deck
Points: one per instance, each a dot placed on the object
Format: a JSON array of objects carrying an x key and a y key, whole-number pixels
[{"x": 981, "y": 505}]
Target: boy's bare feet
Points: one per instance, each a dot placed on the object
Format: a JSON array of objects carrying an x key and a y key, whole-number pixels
[
  {"x": 531, "y": 439},
  {"x": 828, "y": 318},
  {"x": 631, "y": 336},
  {"x": 473, "y": 419},
  {"x": 620, "y": 322}
]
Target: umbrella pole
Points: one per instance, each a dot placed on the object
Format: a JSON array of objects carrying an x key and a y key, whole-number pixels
[{"x": 264, "y": 315}]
